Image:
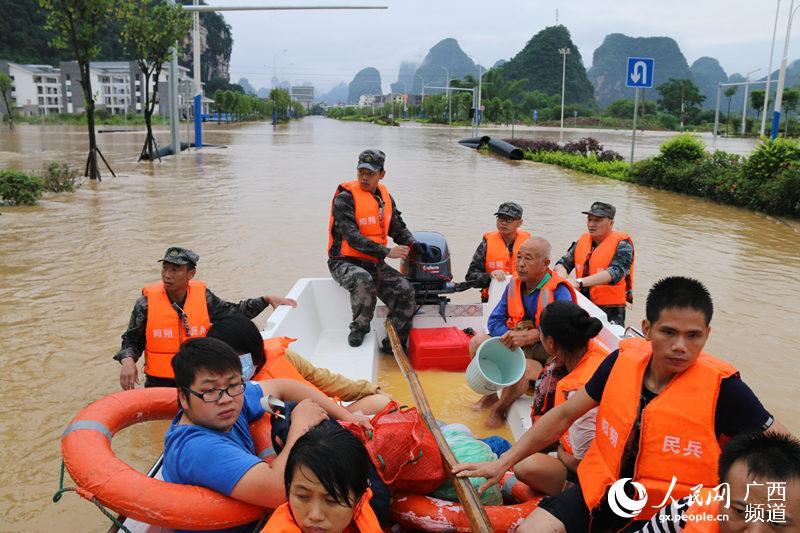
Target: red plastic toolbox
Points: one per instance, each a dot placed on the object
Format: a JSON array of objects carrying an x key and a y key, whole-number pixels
[{"x": 440, "y": 348}]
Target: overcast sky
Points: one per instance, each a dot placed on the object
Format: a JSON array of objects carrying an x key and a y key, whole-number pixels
[{"x": 326, "y": 47}]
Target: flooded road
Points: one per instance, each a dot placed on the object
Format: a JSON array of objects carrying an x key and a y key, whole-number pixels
[{"x": 257, "y": 213}]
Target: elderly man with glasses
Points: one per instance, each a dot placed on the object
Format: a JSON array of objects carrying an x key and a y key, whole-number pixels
[{"x": 363, "y": 217}]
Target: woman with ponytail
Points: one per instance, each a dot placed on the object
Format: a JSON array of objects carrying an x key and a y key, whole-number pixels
[{"x": 568, "y": 335}]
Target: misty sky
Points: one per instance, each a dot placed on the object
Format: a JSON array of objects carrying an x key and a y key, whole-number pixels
[{"x": 326, "y": 47}]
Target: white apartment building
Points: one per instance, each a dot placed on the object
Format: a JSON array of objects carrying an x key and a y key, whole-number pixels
[
  {"x": 35, "y": 89},
  {"x": 117, "y": 87}
]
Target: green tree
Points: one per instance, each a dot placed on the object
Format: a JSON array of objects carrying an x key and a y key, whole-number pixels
[
  {"x": 624, "y": 108},
  {"x": 729, "y": 92},
  {"x": 76, "y": 24},
  {"x": 150, "y": 29},
  {"x": 791, "y": 97},
  {"x": 757, "y": 101},
  {"x": 281, "y": 101},
  {"x": 5, "y": 93},
  {"x": 681, "y": 98}
]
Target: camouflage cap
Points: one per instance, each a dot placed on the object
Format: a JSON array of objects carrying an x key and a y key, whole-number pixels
[
  {"x": 371, "y": 159},
  {"x": 601, "y": 209},
  {"x": 510, "y": 210},
  {"x": 180, "y": 256}
]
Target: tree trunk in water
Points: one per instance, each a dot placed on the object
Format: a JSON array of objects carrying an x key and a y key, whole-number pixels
[{"x": 93, "y": 171}]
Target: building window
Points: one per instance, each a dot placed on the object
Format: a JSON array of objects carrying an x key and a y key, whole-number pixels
[
  {"x": 67, "y": 75},
  {"x": 39, "y": 90}
]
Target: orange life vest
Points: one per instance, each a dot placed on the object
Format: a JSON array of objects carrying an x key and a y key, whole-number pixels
[
  {"x": 677, "y": 428},
  {"x": 373, "y": 221},
  {"x": 702, "y": 515},
  {"x": 165, "y": 331},
  {"x": 364, "y": 519},
  {"x": 277, "y": 365},
  {"x": 498, "y": 256},
  {"x": 516, "y": 311},
  {"x": 583, "y": 371},
  {"x": 600, "y": 259}
]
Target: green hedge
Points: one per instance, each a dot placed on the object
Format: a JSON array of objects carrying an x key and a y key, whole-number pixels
[
  {"x": 590, "y": 165},
  {"x": 17, "y": 187},
  {"x": 768, "y": 180}
]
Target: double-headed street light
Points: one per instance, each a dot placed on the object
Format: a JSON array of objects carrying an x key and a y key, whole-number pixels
[
  {"x": 744, "y": 106},
  {"x": 564, "y": 52}
]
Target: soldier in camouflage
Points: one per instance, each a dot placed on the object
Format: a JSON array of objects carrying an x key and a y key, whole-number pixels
[
  {"x": 357, "y": 250},
  {"x": 178, "y": 268},
  {"x": 600, "y": 225}
]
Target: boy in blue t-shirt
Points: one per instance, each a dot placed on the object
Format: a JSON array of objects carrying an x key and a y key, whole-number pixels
[{"x": 209, "y": 442}]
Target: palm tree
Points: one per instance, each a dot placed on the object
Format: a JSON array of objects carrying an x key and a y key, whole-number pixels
[{"x": 729, "y": 92}]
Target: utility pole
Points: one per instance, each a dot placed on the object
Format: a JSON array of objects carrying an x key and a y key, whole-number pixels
[
  {"x": 449, "y": 106},
  {"x": 769, "y": 73},
  {"x": 716, "y": 115},
  {"x": 174, "y": 119},
  {"x": 776, "y": 114},
  {"x": 564, "y": 52},
  {"x": 478, "y": 113},
  {"x": 198, "y": 85}
]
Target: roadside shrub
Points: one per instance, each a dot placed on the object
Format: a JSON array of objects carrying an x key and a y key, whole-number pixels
[
  {"x": 770, "y": 158},
  {"x": 102, "y": 113},
  {"x": 781, "y": 195},
  {"x": 583, "y": 146},
  {"x": 17, "y": 187},
  {"x": 684, "y": 147},
  {"x": 610, "y": 155},
  {"x": 59, "y": 177},
  {"x": 535, "y": 145},
  {"x": 590, "y": 165}
]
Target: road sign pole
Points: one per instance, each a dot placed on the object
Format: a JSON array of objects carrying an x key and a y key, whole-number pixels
[{"x": 635, "y": 113}]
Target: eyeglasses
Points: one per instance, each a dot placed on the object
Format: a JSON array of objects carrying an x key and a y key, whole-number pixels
[{"x": 214, "y": 395}]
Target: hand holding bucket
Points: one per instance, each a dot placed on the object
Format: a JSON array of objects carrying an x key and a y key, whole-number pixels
[{"x": 494, "y": 367}]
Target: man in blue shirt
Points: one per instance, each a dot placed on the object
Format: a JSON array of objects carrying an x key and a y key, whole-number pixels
[
  {"x": 517, "y": 323},
  {"x": 209, "y": 442}
]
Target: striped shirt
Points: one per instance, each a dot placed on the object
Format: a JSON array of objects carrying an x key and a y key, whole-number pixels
[{"x": 670, "y": 519}]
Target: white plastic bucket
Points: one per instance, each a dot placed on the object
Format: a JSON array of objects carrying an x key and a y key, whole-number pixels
[{"x": 494, "y": 367}]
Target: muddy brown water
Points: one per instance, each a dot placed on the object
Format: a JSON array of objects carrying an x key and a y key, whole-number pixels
[{"x": 257, "y": 212}]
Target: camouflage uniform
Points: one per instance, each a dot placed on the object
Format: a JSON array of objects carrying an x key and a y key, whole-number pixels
[
  {"x": 133, "y": 340},
  {"x": 618, "y": 269},
  {"x": 367, "y": 280}
]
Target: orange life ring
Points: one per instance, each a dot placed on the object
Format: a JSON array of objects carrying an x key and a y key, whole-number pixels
[
  {"x": 432, "y": 514},
  {"x": 98, "y": 473}
]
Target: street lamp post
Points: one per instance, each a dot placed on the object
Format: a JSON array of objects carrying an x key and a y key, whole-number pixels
[
  {"x": 274, "y": 59},
  {"x": 769, "y": 73},
  {"x": 449, "y": 106},
  {"x": 776, "y": 114},
  {"x": 744, "y": 106},
  {"x": 564, "y": 52},
  {"x": 481, "y": 72}
]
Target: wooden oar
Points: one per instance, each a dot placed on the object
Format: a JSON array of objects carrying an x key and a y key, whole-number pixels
[{"x": 467, "y": 494}]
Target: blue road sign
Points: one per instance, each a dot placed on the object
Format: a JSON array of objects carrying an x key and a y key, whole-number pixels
[{"x": 640, "y": 72}]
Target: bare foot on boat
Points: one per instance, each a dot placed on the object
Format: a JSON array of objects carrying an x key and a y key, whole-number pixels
[
  {"x": 495, "y": 420},
  {"x": 485, "y": 402}
]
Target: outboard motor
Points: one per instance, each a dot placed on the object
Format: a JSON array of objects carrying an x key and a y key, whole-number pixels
[{"x": 428, "y": 269}]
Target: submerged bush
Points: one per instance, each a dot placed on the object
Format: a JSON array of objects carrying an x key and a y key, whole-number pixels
[
  {"x": 17, "y": 187},
  {"x": 59, "y": 177}
]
